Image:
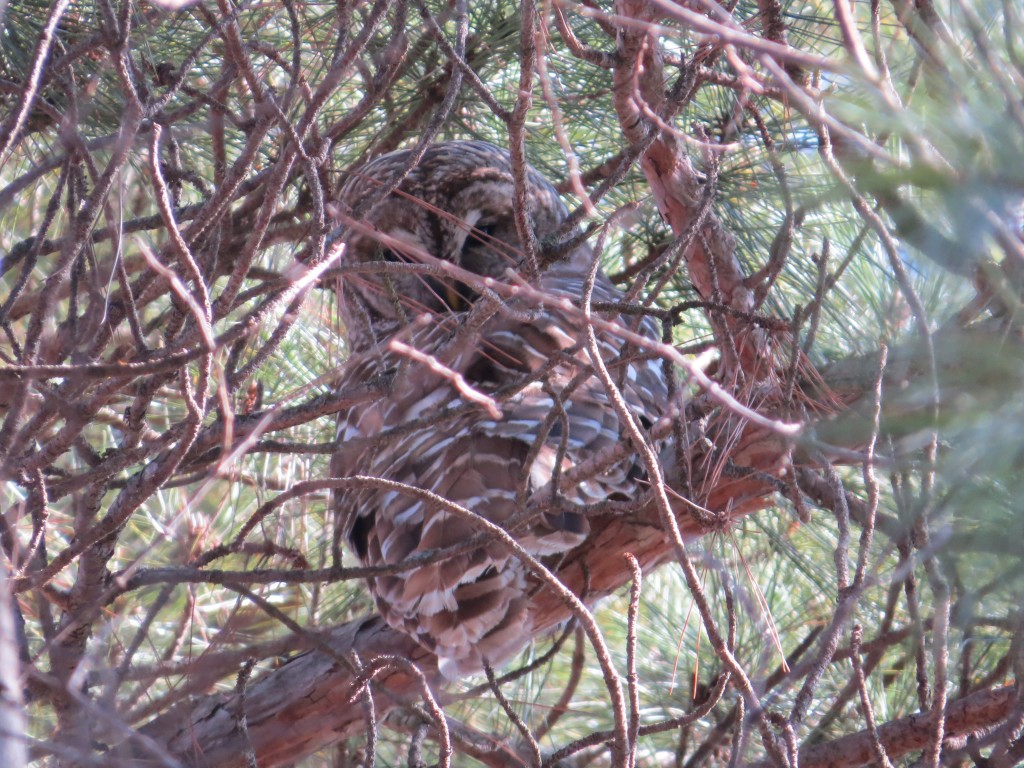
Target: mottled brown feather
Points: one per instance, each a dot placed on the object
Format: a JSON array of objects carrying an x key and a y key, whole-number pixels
[{"x": 474, "y": 606}]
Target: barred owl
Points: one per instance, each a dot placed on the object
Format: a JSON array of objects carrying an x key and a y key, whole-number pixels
[{"x": 456, "y": 205}]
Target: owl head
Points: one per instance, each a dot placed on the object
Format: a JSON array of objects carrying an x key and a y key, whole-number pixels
[{"x": 456, "y": 205}]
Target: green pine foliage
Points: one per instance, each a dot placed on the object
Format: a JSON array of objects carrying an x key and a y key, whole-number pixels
[{"x": 933, "y": 147}]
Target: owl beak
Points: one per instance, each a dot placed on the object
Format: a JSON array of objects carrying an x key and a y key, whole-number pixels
[
  {"x": 451, "y": 294},
  {"x": 453, "y": 298}
]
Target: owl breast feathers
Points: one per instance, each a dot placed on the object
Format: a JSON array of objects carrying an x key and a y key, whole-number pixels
[{"x": 427, "y": 432}]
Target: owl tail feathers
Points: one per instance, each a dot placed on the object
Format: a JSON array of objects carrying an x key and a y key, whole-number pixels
[
  {"x": 466, "y": 610},
  {"x": 462, "y": 654}
]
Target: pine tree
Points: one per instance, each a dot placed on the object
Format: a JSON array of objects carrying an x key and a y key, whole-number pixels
[{"x": 820, "y": 203}]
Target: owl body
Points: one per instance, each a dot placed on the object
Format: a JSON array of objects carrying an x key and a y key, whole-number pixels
[{"x": 507, "y": 466}]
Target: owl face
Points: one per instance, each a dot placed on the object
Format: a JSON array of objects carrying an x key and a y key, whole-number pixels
[{"x": 455, "y": 205}]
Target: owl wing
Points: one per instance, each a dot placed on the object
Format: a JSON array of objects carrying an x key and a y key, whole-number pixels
[{"x": 555, "y": 413}]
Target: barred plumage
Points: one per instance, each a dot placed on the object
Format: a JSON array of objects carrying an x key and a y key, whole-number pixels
[{"x": 457, "y": 204}]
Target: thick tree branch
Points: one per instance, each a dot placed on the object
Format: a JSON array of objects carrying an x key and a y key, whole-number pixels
[{"x": 972, "y": 714}]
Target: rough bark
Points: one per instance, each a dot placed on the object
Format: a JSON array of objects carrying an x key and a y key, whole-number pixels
[
  {"x": 970, "y": 715},
  {"x": 309, "y": 703}
]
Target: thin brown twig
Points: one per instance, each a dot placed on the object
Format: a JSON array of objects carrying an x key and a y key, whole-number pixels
[
  {"x": 632, "y": 678},
  {"x": 865, "y": 700},
  {"x": 241, "y": 717},
  {"x": 513, "y": 716}
]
